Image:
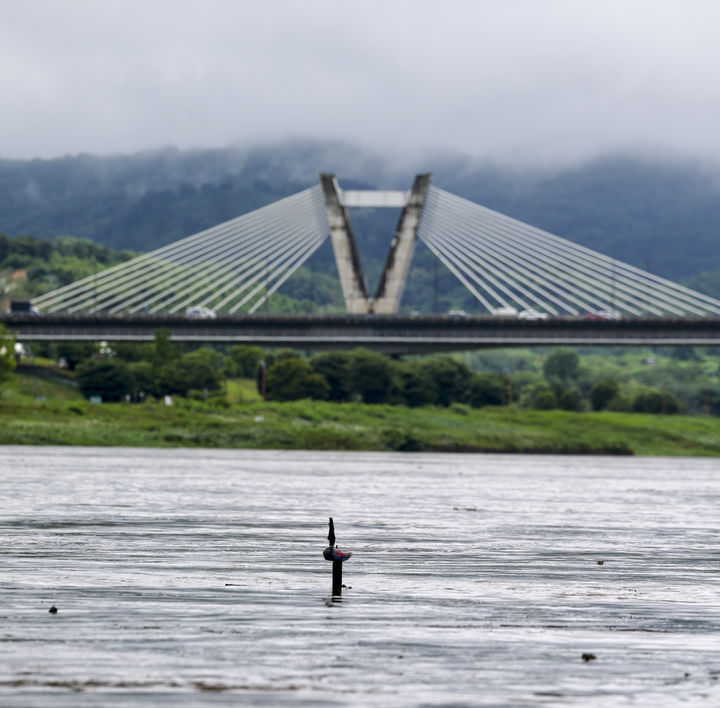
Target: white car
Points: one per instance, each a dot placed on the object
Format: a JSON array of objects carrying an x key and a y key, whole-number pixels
[
  {"x": 200, "y": 313},
  {"x": 608, "y": 314},
  {"x": 532, "y": 315},
  {"x": 504, "y": 312}
]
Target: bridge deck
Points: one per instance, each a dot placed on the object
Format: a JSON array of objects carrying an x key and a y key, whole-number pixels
[{"x": 386, "y": 333}]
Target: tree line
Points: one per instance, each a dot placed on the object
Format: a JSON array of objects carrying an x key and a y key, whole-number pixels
[
  {"x": 445, "y": 380},
  {"x": 134, "y": 372}
]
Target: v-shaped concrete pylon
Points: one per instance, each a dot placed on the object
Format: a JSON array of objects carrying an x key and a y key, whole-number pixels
[
  {"x": 394, "y": 275},
  {"x": 347, "y": 258},
  {"x": 392, "y": 282}
]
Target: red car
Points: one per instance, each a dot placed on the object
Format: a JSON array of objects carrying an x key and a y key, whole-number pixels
[{"x": 602, "y": 315}]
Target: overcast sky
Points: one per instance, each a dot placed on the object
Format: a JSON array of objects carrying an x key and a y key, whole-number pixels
[{"x": 527, "y": 81}]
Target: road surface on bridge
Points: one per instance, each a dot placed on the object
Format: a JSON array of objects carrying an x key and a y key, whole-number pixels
[{"x": 393, "y": 334}]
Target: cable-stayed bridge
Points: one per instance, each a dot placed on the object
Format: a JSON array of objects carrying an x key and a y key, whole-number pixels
[
  {"x": 226, "y": 273},
  {"x": 235, "y": 266}
]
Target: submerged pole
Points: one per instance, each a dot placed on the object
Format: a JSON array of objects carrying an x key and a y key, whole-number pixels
[
  {"x": 337, "y": 564},
  {"x": 334, "y": 554},
  {"x": 337, "y": 578}
]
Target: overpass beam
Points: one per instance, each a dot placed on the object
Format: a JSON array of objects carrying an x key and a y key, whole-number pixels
[
  {"x": 394, "y": 275},
  {"x": 352, "y": 281}
]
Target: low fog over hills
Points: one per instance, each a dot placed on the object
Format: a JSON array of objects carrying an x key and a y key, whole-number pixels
[{"x": 662, "y": 216}]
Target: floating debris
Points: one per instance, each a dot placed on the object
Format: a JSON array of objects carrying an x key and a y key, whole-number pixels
[
  {"x": 53, "y": 610},
  {"x": 588, "y": 657}
]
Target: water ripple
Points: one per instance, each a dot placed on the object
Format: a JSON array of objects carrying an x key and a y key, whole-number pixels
[{"x": 194, "y": 577}]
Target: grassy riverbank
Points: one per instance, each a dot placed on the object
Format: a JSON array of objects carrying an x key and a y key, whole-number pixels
[{"x": 38, "y": 411}]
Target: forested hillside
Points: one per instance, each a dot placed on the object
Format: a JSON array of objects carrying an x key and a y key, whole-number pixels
[{"x": 660, "y": 216}]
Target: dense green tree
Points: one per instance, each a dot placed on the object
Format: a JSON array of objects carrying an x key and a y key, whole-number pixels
[
  {"x": 243, "y": 360},
  {"x": 29, "y": 247},
  {"x": 16, "y": 261},
  {"x": 85, "y": 249},
  {"x": 488, "y": 390},
  {"x": 543, "y": 398},
  {"x": 561, "y": 368},
  {"x": 108, "y": 378},
  {"x": 415, "y": 386},
  {"x": 174, "y": 378},
  {"x": 292, "y": 379},
  {"x": 602, "y": 393},
  {"x": 620, "y": 403},
  {"x": 569, "y": 399},
  {"x": 451, "y": 378},
  {"x": 282, "y": 354},
  {"x": 197, "y": 371},
  {"x": 371, "y": 376},
  {"x": 207, "y": 355},
  {"x": 145, "y": 379},
  {"x": 334, "y": 367},
  {"x": 655, "y": 402}
]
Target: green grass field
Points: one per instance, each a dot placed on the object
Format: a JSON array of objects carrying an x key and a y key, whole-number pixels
[{"x": 50, "y": 411}]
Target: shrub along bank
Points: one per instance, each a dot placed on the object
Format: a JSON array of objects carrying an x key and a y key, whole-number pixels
[{"x": 41, "y": 411}]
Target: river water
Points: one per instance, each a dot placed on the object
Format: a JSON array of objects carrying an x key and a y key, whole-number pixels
[{"x": 196, "y": 577}]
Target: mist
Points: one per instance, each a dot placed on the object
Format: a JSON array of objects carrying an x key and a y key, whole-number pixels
[{"x": 521, "y": 83}]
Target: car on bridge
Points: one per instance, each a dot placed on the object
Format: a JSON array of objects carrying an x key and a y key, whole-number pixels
[
  {"x": 504, "y": 312},
  {"x": 24, "y": 307},
  {"x": 200, "y": 313},
  {"x": 603, "y": 315},
  {"x": 532, "y": 315}
]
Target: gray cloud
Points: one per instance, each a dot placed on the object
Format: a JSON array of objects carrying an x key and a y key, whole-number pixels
[{"x": 519, "y": 80}]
